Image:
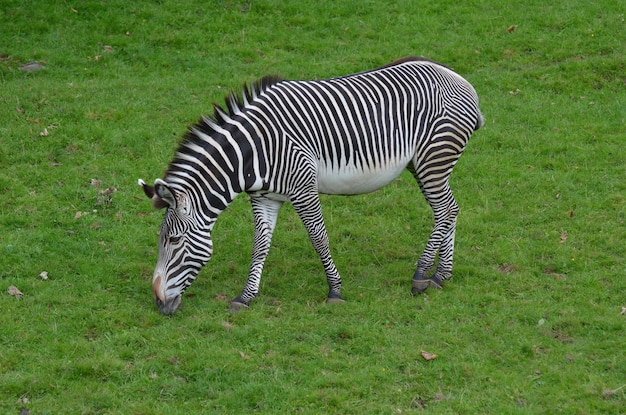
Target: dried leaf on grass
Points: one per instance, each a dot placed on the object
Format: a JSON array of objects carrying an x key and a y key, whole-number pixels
[
  {"x": 31, "y": 66},
  {"x": 557, "y": 276},
  {"x": 506, "y": 269},
  {"x": 12, "y": 290},
  {"x": 417, "y": 403},
  {"x": 552, "y": 272},
  {"x": 427, "y": 355},
  {"x": 44, "y": 275},
  {"x": 244, "y": 356},
  {"x": 105, "y": 196},
  {"x": 623, "y": 311},
  {"x": 610, "y": 393},
  {"x": 221, "y": 297}
]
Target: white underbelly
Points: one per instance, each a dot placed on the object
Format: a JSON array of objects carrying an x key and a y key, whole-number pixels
[{"x": 352, "y": 181}]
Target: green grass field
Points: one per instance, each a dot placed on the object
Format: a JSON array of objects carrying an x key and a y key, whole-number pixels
[{"x": 533, "y": 321}]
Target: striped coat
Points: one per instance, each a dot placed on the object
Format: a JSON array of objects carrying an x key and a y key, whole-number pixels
[{"x": 288, "y": 141}]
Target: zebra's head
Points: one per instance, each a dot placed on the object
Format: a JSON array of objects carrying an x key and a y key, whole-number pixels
[{"x": 184, "y": 244}]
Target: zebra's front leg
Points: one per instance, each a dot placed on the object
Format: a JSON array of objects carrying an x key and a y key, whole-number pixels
[
  {"x": 310, "y": 211},
  {"x": 265, "y": 214}
]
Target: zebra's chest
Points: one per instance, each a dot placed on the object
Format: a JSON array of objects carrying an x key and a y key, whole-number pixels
[{"x": 352, "y": 180}]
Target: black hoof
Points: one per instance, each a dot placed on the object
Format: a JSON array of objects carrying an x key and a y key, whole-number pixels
[
  {"x": 334, "y": 298},
  {"x": 436, "y": 282},
  {"x": 419, "y": 286},
  {"x": 237, "y": 304}
]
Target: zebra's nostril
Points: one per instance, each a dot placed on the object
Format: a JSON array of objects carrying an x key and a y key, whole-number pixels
[{"x": 169, "y": 306}]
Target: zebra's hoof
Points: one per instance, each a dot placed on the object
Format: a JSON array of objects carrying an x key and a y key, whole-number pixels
[
  {"x": 334, "y": 299},
  {"x": 419, "y": 286},
  {"x": 235, "y": 306},
  {"x": 436, "y": 282}
]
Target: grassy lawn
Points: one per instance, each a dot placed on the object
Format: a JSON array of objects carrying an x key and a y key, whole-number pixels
[{"x": 532, "y": 322}]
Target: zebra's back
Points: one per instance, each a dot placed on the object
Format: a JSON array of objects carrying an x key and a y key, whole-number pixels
[{"x": 364, "y": 129}]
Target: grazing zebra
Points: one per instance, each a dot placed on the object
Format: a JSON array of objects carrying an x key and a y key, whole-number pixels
[{"x": 288, "y": 141}]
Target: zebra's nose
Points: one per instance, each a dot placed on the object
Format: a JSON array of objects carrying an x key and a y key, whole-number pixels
[{"x": 168, "y": 306}]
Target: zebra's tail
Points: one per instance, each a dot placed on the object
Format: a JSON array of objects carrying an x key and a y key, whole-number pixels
[{"x": 480, "y": 121}]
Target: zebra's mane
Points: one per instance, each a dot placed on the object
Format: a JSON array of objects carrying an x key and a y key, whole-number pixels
[{"x": 235, "y": 104}]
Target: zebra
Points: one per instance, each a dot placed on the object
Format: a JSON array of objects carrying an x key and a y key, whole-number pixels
[{"x": 289, "y": 141}]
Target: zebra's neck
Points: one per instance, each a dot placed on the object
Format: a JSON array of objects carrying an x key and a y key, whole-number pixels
[
  {"x": 216, "y": 163},
  {"x": 221, "y": 156}
]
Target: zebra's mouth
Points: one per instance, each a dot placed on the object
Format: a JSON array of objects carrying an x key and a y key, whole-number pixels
[{"x": 168, "y": 306}]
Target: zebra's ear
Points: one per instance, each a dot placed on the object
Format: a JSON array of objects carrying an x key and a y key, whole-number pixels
[
  {"x": 163, "y": 193},
  {"x": 148, "y": 190}
]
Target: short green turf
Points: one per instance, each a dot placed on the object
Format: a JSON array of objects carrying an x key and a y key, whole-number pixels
[{"x": 531, "y": 323}]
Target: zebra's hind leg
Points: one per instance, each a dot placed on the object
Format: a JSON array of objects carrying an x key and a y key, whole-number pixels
[
  {"x": 265, "y": 214},
  {"x": 441, "y": 242}
]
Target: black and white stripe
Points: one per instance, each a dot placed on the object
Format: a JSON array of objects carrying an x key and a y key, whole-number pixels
[{"x": 291, "y": 140}]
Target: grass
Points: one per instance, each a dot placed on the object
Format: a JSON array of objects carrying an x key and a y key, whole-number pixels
[{"x": 530, "y": 323}]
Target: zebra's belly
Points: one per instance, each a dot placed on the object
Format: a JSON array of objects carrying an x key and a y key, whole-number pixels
[{"x": 354, "y": 181}]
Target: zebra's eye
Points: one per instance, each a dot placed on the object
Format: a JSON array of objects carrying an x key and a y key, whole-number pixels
[
  {"x": 185, "y": 210},
  {"x": 175, "y": 239}
]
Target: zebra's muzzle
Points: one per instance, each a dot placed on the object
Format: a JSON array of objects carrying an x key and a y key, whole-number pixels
[{"x": 168, "y": 306}]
